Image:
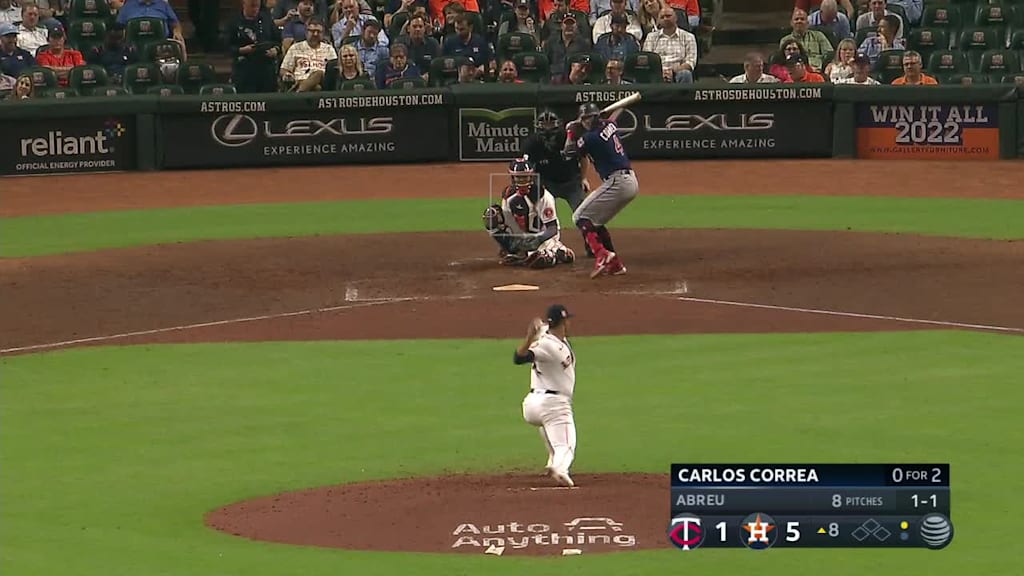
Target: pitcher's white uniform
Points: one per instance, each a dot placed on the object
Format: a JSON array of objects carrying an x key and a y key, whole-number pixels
[{"x": 549, "y": 403}]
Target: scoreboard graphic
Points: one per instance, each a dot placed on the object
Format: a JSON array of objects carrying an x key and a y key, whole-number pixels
[{"x": 762, "y": 506}]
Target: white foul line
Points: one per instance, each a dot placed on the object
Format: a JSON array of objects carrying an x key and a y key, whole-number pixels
[
  {"x": 854, "y": 315},
  {"x": 192, "y": 326}
]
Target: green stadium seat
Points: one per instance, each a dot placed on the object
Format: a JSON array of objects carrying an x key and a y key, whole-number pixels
[
  {"x": 979, "y": 39},
  {"x": 42, "y": 77},
  {"x": 889, "y": 65},
  {"x": 1017, "y": 79},
  {"x": 158, "y": 49},
  {"x": 351, "y": 39},
  {"x": 927, "y": 40},
  {"x": 60, "y": 93},
  {"x": 998, "y": 63},
  {"x": 1017, "y": 39},
  {"x": 191, "y": 77},
  {"x": 139, "y": 78},
  {"x": 358, "y": 84},
  {"x": 513, "y": 43},
  {"x": 948, "y": 62},
  {"x": 832, "y": 38},
  {"x": 112, "y": 91},
  {"x": 863, "y": 35},
  {"x": 992, "y": 13},
  {"x": 88, "y": 77},
  {"x": 533, "y": 67},
  {"x": 643, "y": 68},
  {"x": 80, "y": 9},
  {"x": 445, "y": 70},
  {"x": 86, "y": 34},
  {"x": 969, "y": 79},
  {"x": 166, "y": 90},
  {"x": 217, "y": 89},
  {"x": 407, "y": 84},
  {"x": 142, "y": 31},
  {"x": 945, "y": 16}
]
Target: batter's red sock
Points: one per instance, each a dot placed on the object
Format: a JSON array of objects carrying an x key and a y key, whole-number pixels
[
  {"x": 595, "y": 244},
  {"x": 606, "y": 238}
]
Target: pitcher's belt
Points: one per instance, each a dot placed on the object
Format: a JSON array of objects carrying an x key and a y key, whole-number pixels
[{"x": 540, "y": 391}]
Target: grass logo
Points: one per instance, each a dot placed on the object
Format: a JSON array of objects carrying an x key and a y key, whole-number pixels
[{"x": 486, "y": 134}]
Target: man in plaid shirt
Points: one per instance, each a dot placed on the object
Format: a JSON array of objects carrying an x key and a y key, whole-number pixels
[{"x": 677, "y": 48}]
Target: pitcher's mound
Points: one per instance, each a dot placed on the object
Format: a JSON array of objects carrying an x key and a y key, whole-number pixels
[{"x": 511, "y": 514}]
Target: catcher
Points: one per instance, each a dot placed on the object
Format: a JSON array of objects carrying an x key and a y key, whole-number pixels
[{"x": 525, "y": 224}]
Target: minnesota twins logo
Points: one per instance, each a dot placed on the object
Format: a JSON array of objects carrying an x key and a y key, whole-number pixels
[
  {"x": 686, "y": 532},
  {"x": 758, "y": 531}
]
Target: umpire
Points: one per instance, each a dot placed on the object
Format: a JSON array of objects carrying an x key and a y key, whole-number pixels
[{"x": 559, "y": 175}]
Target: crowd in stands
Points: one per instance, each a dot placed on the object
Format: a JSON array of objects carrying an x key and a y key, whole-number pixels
[
  {"x": 112, "y": 47},
  {"x": 897, "y": 42}
]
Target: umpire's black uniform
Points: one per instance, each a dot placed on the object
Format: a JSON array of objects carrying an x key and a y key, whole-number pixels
[{"x": 558, "y": 175}]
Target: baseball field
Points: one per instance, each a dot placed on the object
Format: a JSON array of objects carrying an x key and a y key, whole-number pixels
[{"x": 307, "y": 371}]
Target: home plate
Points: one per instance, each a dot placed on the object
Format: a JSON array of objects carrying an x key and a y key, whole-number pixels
[{"x": 515, "y": 288}]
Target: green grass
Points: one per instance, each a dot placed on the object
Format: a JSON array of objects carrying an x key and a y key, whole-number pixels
[
  {"x": 38, "y": 235},
  {"x": 113, "y": 455}
]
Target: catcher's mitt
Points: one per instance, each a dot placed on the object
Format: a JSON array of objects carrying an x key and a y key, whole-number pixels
[{"x": 494, "y": 218}]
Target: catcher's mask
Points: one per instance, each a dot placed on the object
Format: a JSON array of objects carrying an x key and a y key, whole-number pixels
[
  {"x": 549, "y": 126},
  {"x": 522, "y": 173},
  {"x": 588, "y": 114}
]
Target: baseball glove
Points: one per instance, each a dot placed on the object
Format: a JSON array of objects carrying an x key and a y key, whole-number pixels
[{"x": 494, "y": 218}]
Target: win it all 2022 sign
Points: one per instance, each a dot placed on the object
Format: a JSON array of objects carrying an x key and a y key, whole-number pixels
[{"x": 931, "y": 131}]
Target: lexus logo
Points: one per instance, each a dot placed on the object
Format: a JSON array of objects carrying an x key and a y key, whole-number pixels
[
  {"x": 234, "y": 130},
  {"x": 626, "y": 123}
]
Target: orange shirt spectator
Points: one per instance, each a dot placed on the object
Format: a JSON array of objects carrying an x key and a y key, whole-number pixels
[
  {"x": 924, "y": 80},
  {"x": 800, "y": 71},
  {"x": 912, "y": 74},
  {"x": 60, "y": 59},
  {"x": 437, "y": 9},
  {"x": 692, "y": 9},
  {"x": 545, "y": 7}
]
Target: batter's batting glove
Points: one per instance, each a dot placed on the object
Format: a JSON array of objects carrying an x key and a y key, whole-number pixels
[{"x": 493, "y": 217}]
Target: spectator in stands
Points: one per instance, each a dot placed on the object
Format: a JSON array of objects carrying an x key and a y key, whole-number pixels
[
  {"x": 886, "y": 39},
  {"x": 10, "y": 12},
  {"x": 254, "y": 42},
  {"x": 114, "y": 54},
  {"x": 24, "y": 89},
  {"x": 53, "y": 12},
  {"x": 617, "y": 44},
  {"x": 12, "y": 58},
  {"x": 60, "y": 58},
  {"x": 205, "y": 17},
  {"x": 523, "y": 23},
  {"x": 352, "y": 23},
  {"x": 912, "y": 74},
  {"x": 443, "y": 11},
  {"x": 467, "y": 42},
  {"x": 861, "y": 72},
  {"x": 613, "y": 73},
  {"x": 397, "y": 68},
  {"x": 753, "y": 71},
  {"x": 872, "y": 18},
  {"x": 559, "y": 49},
  {"x": 372, "y": 50},
  {"x": 677, "y": 48},
  {"x": 579, "y": 71},
  {"x": 31, "y": 35},
  {"x": 470, "y": 72},
  {"x": 648, "y": 15},
  {"x": 421, "y": 47},
  {"x": 841, "y": 66},
  {"x": 305, "y": 62},
  {"x": 294, "y": 29},
  {"x": 350, "y": 67},
  {"x": 337, "y": 13},
  {"x": 509, "y": 74},
  {"x": 692, "y": 10},
  {"x": 812, "y": 5},
  {"x": 286, "y": 11},
  {"x": 831, "y": 18},
  {"x": 546, "y": 7},
  {"x": 815, "y": 44},
  {"x": 153, "y": 9},
  {"x": 603, "y": 25},
  {"x": 552, "y": 26},
  {"x": 401, "y": 7},
  {"x": 912, "y": 8},
  {"x": 799, "y": 72},
  {"x": 778, "y": 65},
  {"x": 600, "y": 7}
]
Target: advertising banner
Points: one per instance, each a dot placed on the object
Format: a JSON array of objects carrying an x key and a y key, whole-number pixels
[
  {"x": 673, "y": 123},
  {"x": 68, "y": 145},
  {"x": 491, "y": 121},
  {"x": 386, "y": 128},
  {"x": 928, "y": 131}
]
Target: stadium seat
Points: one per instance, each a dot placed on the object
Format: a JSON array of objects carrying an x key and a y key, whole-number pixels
[
  {"x": 166, "y": 90},
  {"x": 945, "y": 16},
  {"x": 191, "y": 77},
  {"x": 533, "y": 67},
  {"x": 968, "y": 79},
  {"x": 42, "y": 77},
  {"x": 947, "y": 62},
  {"x": 139, "y": 78},
  {"x": 863, "y": 35},
  {"x": 445, "y": 70},
  {"x": 84, "y": 35},
  {"x": 60, "y": 93},
  {"x": 407, "y": 84},
  {"x": 992, "y": 13},
  {"x": 1017, "y": 39},
  {"x": 828, "y": 32},
  {"x": 88, "y": 77},
  {"x": 643, "y": 68},
  {"x": 927, "y": 40},
  {"x": 164, "y": 48},
  {"x": 889, "y": 65},
  {"x": 998, "y": 63},
  {"x": 1017, "y": 79},
  {"x": 89, "y": 9},
  {"x": 979, "y": 39},
  {"x": 217, "y": 89},
  {"x": 513, "y": 43},
  {"x": 108, "y": 91},
  {"x": 397, "y": 21},
  {"x": 350, "y": 39},
  {"x": 358, "y": 84},
  {"x": 141, "y": 31}
]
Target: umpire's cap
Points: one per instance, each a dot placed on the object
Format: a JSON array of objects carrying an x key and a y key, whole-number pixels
[{"x": 556, "y": 314}]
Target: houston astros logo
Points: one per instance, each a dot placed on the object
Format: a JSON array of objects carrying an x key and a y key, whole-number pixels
[
  {"x": 686, "y": 532},
  {"x": 758, "y": 531}
]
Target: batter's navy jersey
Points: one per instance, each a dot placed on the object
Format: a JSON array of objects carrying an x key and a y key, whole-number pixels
[
  {"x": 549, "y": 162},
  {"x": 605, "y": 149}
]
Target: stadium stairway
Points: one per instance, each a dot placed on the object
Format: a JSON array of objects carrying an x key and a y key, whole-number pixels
[{"x": 739, "y": 27}]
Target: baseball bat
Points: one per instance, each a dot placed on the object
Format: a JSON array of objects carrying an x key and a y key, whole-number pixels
[{"x": 627, "y": 101}]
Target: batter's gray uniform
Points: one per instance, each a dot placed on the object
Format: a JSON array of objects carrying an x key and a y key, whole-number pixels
[{"x": 615, "y": 192}]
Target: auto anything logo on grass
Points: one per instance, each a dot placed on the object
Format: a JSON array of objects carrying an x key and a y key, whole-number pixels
[{"x": 596, "y": 531}]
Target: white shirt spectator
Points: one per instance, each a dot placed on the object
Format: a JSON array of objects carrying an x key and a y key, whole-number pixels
[
  {"x": 604, "y": 25},
  {"x": 11, "y": 14},
  {"x": 763, "y": 79},
  {"x": 869, "y": 81},
  {"x": 31, "y": 40},
  {"x": 679, "y": 47},
  {"x": 597, "y": 7},
  {"x": 840, "y": 72},
  {"x": 302, "y": 60}
]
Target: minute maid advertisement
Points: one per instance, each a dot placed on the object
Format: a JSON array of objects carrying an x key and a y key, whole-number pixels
[
  {"x": 934, "y": 131},
  {"x": 489, "y": 135}
]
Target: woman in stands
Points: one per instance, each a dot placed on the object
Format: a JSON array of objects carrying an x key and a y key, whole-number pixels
[
  {"x": 350, "y": 67},
  {"x": 841, "y": 66},
  {"x": 648, "y": 15},
  {"x": 778, "y": 65},
  {"x": 24, "y": 89}
]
